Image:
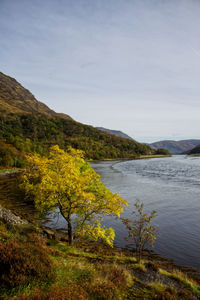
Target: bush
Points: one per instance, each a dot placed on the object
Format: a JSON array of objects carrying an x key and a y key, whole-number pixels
[
  {"x": 71, "y": 292},
  {"x": 162, "y": 151},
  {"x": 171, "y": 294},
  {"x": 117, "y": 275},
  {"x": 102, "y": 291},
  {"x": 152, "y": 266},
  {"x": 21, "y": 263}
]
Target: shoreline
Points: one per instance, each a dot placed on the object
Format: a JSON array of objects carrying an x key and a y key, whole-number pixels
[
  {"x": 133, "y": 181},
  {"x": 9, "y": 172},
  {"x": 149, "y": 255},
  {"x": 154, "y": 277},
  {"x": 58, "y": 231},
  {"x": 59, "y": 234},
  {"x": 127, "y": 159}
]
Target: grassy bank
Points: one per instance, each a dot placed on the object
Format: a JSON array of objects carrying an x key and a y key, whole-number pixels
[
  {"x": 136, "y": 158},
  {"x": 153, "y": 156},
  {"x": 35, "y": 267}
]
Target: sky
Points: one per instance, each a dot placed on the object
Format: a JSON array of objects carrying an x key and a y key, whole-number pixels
[{"x": 129, "y": 65}]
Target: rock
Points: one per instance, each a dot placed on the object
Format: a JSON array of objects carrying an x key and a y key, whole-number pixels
[
  {"x": 10, "y": 218},
  {"x": 50, "y": 234}
]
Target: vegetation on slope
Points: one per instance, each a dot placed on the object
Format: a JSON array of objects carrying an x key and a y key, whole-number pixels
[
  {"x": 195, "y": 151},
  {"x": 162, "y": 151},
  {"x": 83, "y": 271},
  {"x": 115, "y": 132},
  {"x": 36, "y": 133},
  {"x": 27, "y": 125},
  {"x": 14, "y": 98}
]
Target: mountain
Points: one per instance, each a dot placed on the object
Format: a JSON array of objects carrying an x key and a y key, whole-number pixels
[
  {"x": 14, "y": 98},
  {"x": 28, "y": 125},
  {"x": 176, "y": 147},
  {"x": 195, "y": 150},
  {"x": 115, "y": 132}
]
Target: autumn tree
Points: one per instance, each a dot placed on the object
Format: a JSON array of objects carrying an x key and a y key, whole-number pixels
[
  {"x": 65, "y": 181},
  {"x": 141, "y": 230}
]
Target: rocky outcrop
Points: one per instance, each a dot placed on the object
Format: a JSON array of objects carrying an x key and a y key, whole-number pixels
[{"x": 10, "y": 218}]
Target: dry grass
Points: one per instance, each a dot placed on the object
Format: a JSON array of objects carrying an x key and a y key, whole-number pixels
[
  {"x": 157, "y": 286},
  {"x": 183, "y": 280},
  {"x": 139, "y": 266},
  {"x": 83, "y": 274}
]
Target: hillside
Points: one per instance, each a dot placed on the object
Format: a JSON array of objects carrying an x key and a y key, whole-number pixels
[
  {"x": 27, "y": 125},
  {"x": 176, "y": 147},
  {"x": 195, "y": 150},
  {"x": 115, "y": 132},
  {"x": 14, "y": 98}
]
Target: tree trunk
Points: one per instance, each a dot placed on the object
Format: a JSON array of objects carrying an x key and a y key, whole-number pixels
[
  {"x": 69, "y": 223},
  {"x": 70, "y": 236},
  {"x": 138, "y": 254}
]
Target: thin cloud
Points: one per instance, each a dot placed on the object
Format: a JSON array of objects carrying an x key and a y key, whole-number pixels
[{"x": 117, "y": 64}]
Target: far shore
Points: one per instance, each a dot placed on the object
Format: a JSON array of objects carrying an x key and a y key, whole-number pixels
[
  {"x": 126, "y": 159},
  {"x": 14, "y": 171}
]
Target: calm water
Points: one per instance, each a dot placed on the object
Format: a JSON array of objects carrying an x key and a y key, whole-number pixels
[{"x": 172, "y": 187}]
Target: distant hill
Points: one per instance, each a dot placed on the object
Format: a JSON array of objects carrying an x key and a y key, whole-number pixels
[
  {"x": 28, "y": 125},
  {"x": 14, "y": 98},
  {"x": 115, "y": 132},
  {"x": 176, "y": 147},
  {"x": 195, "y": 150}
]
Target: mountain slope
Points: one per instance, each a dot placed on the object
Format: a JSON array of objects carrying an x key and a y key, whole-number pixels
[
  {"x": 115, "y": 132},
  {"x": 176, "y": 147},
  {"x": 14, "y": 98},
  {"x": 27, "y": 125},
  {"x": 195, "y": 150}
]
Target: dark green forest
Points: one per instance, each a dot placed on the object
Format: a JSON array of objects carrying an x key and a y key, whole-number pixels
[{"x": 20, "y": 134}]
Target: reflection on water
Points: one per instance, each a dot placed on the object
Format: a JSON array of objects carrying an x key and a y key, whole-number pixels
[
  {"x": 12, "y": 197},
  {"x": 172, "y": 187}
]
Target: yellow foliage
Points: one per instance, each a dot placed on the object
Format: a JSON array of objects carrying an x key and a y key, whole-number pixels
[{"x": 64, "y": 180}]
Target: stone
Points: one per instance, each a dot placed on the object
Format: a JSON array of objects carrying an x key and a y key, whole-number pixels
[{"x": 10, "y": 218}]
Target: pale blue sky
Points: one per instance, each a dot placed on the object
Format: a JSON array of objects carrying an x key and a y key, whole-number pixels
[{"x": 130, "y": 65}]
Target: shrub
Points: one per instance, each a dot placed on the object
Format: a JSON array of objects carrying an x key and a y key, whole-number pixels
[
  {"x": 162, "y": 292},
  {"x": 162, "y": 151},
  {"x": 97, "y": 291},
  {"x": 171, "y": 294},
  {"x": 71, "y": 292},
  {"x": 141, "y": 230},
  {"x": 116, "y": 274},
  {"x": 152, "y": 265},
  {"x": 21, "y": 263},
  {"x": 102, "y": 291}
]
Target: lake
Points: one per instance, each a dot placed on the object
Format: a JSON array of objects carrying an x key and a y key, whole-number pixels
[{"x": 171, "y": 186}]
